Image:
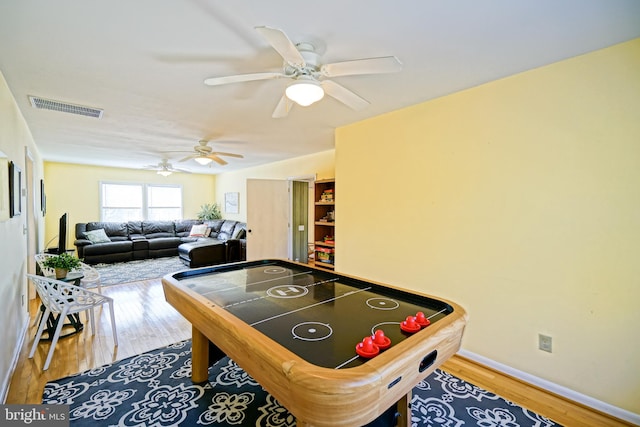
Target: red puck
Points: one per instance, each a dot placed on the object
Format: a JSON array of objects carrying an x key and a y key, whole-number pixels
[
  {"x": 381, "y": 340},
  {"x": 410, "y": 325},
  {"x": 367, "y": 348},
  {"x": 421, "y": 320}
]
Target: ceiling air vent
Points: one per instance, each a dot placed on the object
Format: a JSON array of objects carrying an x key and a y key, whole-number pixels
[{"x": 49, "y": 104}]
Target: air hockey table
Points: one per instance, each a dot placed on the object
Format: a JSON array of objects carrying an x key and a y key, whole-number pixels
[{"x": 311, "y": 337}]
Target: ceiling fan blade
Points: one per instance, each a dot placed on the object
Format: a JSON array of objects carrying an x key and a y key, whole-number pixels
[
  {"x": 283, "y": 108},
  {"x": 281, "y": 43},
  {"x": 215, "y": 81},
  {"x": 385, "y": 64},
  {"x": 217, "y": 159},
  {"x": 193, "y": 156},
  {"x": 344, "y": 95},
  {"x": 218, "y": 153}
]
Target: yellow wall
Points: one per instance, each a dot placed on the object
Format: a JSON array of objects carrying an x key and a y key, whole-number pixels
[
  {"x": 319, "y": 164},
  {"x": 82, "y": 202},
  {"x": 520, "y": 200},
  {"x": 75, "y": 189}
]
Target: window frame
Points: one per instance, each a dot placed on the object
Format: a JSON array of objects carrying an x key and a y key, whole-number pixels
[{"x": 145, "y": 187}]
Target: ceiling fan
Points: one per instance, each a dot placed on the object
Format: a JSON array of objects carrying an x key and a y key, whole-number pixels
[
  {"x": 204, "y": 154},
  {"x": 302, "y": 64},
  {"x": 165, "y": 168}
]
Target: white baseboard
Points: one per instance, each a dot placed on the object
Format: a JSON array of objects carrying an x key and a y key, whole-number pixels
[
  {"x": 6, "y": 381},
  {"x": 599, "y": 405}
]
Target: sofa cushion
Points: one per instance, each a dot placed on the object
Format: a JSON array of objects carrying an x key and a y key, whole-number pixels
[
  {"x": 97, "y": 236},
  {"x": 158, "y": 229},
  {"x": 134, "y": 227},
  {"x": 215, "y": 225},
  {"x": 239, "y": 231},
  {"x": 164, "y": 243},
  {"x": 226, "y": 230},
  {"x": 188, "y": 239},
  {"x": 117, "y": 231},
  {"x": 183, "y": 227},
  {"x": 108, "y": 248}
]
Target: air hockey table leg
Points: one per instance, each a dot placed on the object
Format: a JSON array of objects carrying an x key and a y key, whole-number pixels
[
  {"x": 199, "y": 356},
  {"x": 404, "y": 411}
]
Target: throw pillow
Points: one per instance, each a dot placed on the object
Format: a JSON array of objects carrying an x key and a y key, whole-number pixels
[
  {"x": 198, "y": 230},
  {"x": 239, "y": 233},
  {"x": 97, "y": 236}
]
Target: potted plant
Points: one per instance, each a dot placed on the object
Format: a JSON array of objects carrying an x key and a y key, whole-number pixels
[
  {"x": 62, "y": 263},
  {"x": 209, "y": 211}
]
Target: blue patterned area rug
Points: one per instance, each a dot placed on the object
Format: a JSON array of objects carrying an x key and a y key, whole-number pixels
[
  {"x": 133, "y": 271},
  {"x": 155, "y": 389}
]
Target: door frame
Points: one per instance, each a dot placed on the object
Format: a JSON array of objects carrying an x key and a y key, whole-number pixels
[
  {"x": 309, "y": 179},
  {"x": 31, "y": 229}
]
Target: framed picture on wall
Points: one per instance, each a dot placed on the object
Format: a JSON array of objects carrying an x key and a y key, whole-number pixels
[
  {"x": 15, "y": 185},
  {"x": 4, "y": 189},
  {"x": 231, "y": 202},
  {"x": 43, "y": 198}
]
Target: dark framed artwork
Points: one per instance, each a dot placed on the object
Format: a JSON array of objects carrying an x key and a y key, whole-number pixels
[
  {"x": 43, "y": 198},
  {"x": 4, "y": 188},
  {"x": 15, "y": 193}
]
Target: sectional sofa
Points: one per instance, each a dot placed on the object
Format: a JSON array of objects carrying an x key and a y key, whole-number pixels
[{"x": 214, "y": 241}]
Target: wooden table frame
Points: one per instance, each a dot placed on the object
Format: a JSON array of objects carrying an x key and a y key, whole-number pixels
[{"x": 316, "y": 395}]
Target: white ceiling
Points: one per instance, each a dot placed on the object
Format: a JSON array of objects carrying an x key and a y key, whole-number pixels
[{"x": 144, "y": 63}]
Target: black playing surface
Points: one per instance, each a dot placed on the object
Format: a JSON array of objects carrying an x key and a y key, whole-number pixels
[{"x": 318, "y": 315}]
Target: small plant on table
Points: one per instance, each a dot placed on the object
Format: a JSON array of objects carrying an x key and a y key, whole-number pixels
[{"x": 62, "y": 263}]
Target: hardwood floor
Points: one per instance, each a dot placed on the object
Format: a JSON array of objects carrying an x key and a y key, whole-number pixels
[{"x": 145, "y": 321}]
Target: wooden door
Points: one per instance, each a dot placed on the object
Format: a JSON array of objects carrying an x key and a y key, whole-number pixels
[{"x": 267, "y": 219}]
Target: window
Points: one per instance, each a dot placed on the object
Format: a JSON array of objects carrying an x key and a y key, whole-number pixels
[
  {"x": 135, "y": 202},
  {"x": 164, "y": 202}
]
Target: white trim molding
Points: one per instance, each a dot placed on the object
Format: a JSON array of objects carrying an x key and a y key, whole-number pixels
[
  {"x": 599, "y": 405},
  {"x": 6, "y": 381}
]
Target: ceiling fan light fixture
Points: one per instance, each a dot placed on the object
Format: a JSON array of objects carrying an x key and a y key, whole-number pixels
[
  {"x": 164, "y": 172},
  {"x": 203, "y": 160},
  {"x": 304, "y": 91}
]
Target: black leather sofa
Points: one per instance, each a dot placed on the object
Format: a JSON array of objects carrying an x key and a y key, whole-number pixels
[{"x": 135, "y": 240}]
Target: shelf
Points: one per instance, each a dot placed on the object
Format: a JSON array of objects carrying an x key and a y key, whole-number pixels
[
  {"x": 324, "y": 208},
  {"x": 326, "y": 265}
]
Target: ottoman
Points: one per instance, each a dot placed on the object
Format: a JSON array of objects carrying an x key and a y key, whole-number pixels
[{"x": 203, "y": 253}]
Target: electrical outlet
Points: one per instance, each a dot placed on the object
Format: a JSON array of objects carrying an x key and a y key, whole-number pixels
[{"x": 544, "y": 343}]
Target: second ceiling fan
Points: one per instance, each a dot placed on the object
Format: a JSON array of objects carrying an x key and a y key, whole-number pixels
[
  {"x": 204, "y": 154},
  {"x": 302, "y": 64}
]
